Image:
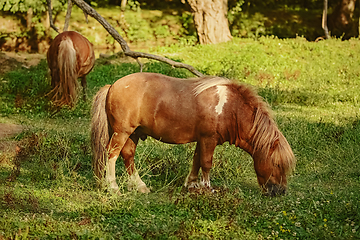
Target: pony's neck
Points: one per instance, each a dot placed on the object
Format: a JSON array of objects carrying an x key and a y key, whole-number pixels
[
  {"x": 258, "y": 140},
  {"x": 245, "y": 145}
]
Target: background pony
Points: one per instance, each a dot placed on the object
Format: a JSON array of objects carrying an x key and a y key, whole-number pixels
[
  {"x": 69, "y": 57},
  {"x": 208, "y": 110}
]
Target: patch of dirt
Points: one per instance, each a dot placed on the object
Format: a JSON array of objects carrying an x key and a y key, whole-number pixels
[
  {"x": 8, "y": 62},
  {"x": 9, "y": 130},
  {"x": 11, "y": 60},
  {"x": 8, "y": 148}
]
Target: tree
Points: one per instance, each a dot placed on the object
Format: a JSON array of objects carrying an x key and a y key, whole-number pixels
[
  {"x": 324, "y": 20},
  {"x": 341, "y": 19},
  {"x": 210, "y": 20},
  {"x": 30, "y": 14}
]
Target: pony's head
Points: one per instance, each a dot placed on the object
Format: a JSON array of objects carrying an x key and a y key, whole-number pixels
[
  {"x": 273, "y": 166},
  {"x": 272, "y": 154}
]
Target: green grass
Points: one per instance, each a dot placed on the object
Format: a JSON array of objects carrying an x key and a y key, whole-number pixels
[{"x": 313, "y": 89}]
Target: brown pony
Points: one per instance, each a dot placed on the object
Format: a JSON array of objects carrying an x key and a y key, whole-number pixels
[
  {"x": 208, "y": 110},
  {"x": 70, "y": 56}
]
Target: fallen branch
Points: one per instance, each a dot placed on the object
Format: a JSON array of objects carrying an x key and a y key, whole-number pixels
[{"x": 90, "y": 11}]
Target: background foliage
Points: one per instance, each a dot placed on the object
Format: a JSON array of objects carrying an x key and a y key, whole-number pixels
[{"x": 159, "y": 23}]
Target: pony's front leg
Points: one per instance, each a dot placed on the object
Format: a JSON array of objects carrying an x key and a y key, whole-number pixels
[
  {"x": 128, "y": 153},
  {"x": 192, "y": 178},
  {"x": 207, "y": 147},
  {"x": 202, "y": 158}
]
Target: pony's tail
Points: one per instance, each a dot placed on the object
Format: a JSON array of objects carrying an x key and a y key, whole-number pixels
[
  {"x": 66, "y": 91},
  {"x": 100, "y": 129}
]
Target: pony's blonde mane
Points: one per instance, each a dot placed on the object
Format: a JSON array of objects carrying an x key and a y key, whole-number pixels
[
  {"x": 265, "y": 135},
  {"x": 208, "y": 82}
]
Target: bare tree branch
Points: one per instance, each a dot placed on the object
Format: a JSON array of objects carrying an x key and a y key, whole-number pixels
[
  {"x": 50, "y": 17},
  {"x": 90, "y": 11},
  {"x": 140, "y": 64},
  {"x": 86, "y": 17},
  {"x": 68, "y": 15}
]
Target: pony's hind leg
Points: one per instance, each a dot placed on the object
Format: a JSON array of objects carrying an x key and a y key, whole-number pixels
[
  {"x": 114, "y": 147},
  {"x": 128, "y": 153},
  {"x": 84, "y": 84}
]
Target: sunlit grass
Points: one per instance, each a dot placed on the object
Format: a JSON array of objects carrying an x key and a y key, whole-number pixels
[{"x": 315, "y": 106}]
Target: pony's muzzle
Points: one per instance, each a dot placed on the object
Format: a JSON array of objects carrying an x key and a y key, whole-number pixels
[{"x": 274, "y": 190}]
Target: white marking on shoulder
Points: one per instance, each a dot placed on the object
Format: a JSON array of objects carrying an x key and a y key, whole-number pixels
[
  {"x": 222, "y": 93},
  {"x": 126, "y": 86},
  {"x": 207, "y": 83}
]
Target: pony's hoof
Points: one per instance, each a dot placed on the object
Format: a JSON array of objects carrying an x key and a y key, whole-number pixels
[
  {"x": 274, "y": 190},
  {"x": 192, "y": 186},
  {"x": 201, "y": 190},
  {"x": 193, "y": 189},
  {"x": 143, "y": 189},
  {"x": 208, "y": 189},
  {"x": 114, "y": 191},
  {"x": 117, "y": 192}
]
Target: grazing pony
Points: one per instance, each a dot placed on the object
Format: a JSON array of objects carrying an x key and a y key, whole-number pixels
[
  {"x": 207, "y": 110},
  {"x": 70, "y": 56}
]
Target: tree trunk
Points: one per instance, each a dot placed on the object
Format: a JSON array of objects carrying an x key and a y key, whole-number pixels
[
  {"x": 210, "y": 20},
  {"x": 340, "y": 21},
  {"x": 68, "y": 15},
  {"x": 122, "y": 15},
  {"x": 29, "y": 16},
  {"x": 324, "y": 20},
  {"x": 123, "y": 5},
  {"x": 32, "y": 39}
]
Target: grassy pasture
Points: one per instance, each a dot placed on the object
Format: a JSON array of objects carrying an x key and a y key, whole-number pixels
[{"x": 313, "y": 89}]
